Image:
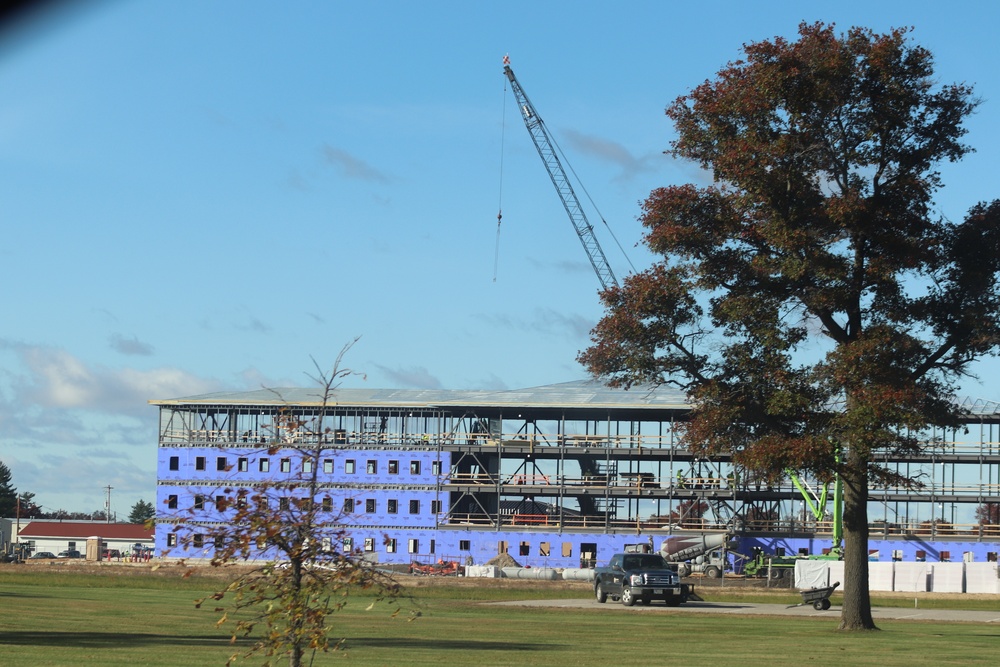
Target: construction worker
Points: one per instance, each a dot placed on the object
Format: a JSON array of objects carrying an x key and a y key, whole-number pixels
[{"x": 680, "y": 480}]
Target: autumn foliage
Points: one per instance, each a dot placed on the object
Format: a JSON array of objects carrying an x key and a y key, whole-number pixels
[{"x": 809, "y": 298}]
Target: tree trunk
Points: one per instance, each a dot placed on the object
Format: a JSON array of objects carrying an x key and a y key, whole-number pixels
[{"x": 856, "y": 613}]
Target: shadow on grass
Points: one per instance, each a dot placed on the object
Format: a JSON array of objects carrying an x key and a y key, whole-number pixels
[
  {"x": 445, "y": 644},
  {"x": 5, "y": 594},
  {"x": 103, "y": 639}
]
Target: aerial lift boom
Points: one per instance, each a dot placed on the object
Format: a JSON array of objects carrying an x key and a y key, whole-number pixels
[{"x": 546, "y": 150}]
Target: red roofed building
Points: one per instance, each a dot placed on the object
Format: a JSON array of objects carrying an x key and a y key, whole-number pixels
[{"x": 56, "y": 536}]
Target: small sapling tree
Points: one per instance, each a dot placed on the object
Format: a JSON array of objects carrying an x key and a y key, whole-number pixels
[{"x": 297, "y": 567}]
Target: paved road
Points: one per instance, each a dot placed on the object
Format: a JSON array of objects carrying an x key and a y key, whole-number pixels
[{"x": 896, "y": 613}]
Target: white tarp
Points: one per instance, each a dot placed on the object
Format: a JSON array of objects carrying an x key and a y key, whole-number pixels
[
  {"x": 482, "y": 571},
  {"x": 911, "y": 577},
  {"x": 836, "y": 572},
  {"x": 812, "y": 574},
  {"x": 981, "y": 578},
  {"x": 880, "y": 576},
  {"x": 947, "y": 577}
]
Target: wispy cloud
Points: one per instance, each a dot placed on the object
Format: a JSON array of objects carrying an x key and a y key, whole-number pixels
[
  {"x": 130, "y": 346},
  {"x": 613, "y": 152},
  {"x": 416, "y": 377},
  {"x": 254, "y": 325},
  {"x": 545, "y": 321},
  {"x": 353, "y": 167}
]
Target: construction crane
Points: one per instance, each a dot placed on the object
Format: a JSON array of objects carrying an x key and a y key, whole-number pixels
[{"x": 546, "y": 150}]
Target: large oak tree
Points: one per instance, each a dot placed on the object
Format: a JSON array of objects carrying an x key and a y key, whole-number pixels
[{"x": 811, "y": 301}]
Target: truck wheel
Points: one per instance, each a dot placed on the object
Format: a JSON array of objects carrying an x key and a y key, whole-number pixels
[
  {"x": 683, "y": 570},
  {"x": 777, "y": 573},
  {"x": 627, "y": 599},
  {"x": 712, "y": 572},
  {"x": 600, "y": 593}
]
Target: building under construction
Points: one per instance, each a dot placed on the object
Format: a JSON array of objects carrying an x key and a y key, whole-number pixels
[{"x": 557, "y": 476}]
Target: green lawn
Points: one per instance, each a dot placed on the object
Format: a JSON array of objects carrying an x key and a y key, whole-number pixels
[{"x": 58, "y": 618}]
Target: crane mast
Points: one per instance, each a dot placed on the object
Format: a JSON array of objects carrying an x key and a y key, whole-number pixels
[{"x": 546, "y": 150}]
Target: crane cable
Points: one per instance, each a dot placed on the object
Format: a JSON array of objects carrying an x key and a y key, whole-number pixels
[
  {"x": 503, "y": 131},
  {"x": 591, "y": 200}
]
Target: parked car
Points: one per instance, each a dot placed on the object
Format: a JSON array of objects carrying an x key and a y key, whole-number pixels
[
  {"x": 69, "y": 553},
  {"x": 41, "y": 555}
]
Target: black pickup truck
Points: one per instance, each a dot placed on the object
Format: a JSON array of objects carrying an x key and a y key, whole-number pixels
[{"x": 641, "y": 578}]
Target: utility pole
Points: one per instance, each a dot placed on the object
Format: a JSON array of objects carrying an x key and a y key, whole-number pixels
[
  {"x": 107, "y": 505},
  {"x": 18, "y": 534}
]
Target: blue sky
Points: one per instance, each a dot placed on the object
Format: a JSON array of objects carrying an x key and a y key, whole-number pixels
[{"x": 200, "y": 196}]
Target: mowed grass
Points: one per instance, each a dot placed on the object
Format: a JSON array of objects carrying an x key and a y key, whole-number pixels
[{"x": 64, "y": 618}]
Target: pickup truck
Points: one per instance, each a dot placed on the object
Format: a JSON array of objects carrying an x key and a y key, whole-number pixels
[{"x": 634, "y": 577}]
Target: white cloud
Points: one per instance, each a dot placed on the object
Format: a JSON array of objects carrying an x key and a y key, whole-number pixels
[{"x": 54, "y": 378}]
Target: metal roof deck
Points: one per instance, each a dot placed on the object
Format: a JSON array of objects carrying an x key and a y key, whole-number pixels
[
  {"x": 585, "y": 394},
  {"x": 582, "y": 398}
]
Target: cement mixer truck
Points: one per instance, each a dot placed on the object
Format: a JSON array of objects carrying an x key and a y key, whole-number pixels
[{"x": 705, "y": 553}]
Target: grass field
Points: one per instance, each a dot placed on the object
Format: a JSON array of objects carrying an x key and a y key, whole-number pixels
[{"x": 61, "y": 617}]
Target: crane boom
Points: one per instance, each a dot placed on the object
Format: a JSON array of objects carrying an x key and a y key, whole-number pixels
[{"x": 546, "y": 150}]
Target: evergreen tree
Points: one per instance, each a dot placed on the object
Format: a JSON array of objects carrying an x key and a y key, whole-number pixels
[
  {"x": 8, "y": 494},
  {"x": 142, "y": 512}
]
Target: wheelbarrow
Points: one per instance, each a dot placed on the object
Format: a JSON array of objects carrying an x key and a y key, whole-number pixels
[{"x": 818, "y": 597}]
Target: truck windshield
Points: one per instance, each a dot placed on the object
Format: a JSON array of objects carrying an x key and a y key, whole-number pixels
[{"x": 646, "y": 562}]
